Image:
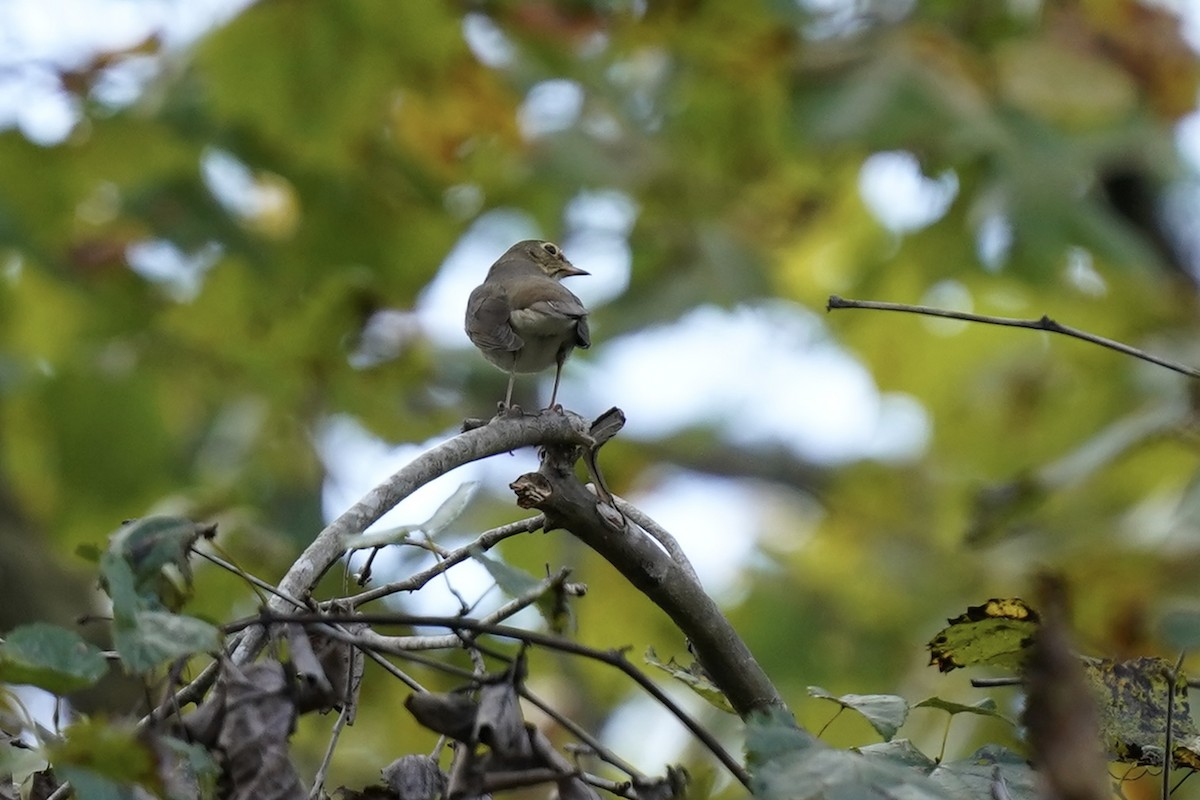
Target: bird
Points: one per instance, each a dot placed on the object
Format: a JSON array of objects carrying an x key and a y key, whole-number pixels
[{"x": 522, "y": 319}]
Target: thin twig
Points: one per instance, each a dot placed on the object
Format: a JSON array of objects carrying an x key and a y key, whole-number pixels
[
  {"x": 319, "y": 779},
  {"x": 339, "y": 634},
  {"x": 619, "y": 788},
  {"x": 464, "y": 608},
  {"x": 988, "y": 683},
  {"x": 521, "y": 779},
  {"x": 613, "y": 658},
  {"x": 658, "y": 533},
  {"x": 247, "y": 577},
  {"x": 394, "y": 671},
  {"x": 1172, "y": 682},
  {"x": 488, "y": 539},
  {"x": 1179, "y": 783},
  {"x": 454, "y": 640},
  {"x": 192, "y": 693},
  {"x": 578, "y": 731},
  {"x": 484, "y": 542},
  {"x": 570, "y": 725},
  {"x": 1045, "y": 323},
  {"x": 432, "y": 663},
  {"x": 469, "y": 610}
]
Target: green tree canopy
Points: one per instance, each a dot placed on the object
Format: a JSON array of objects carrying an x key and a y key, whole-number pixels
[{"x": 212, "y": 268}]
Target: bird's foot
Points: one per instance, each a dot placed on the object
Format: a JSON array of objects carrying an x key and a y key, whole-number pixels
[
  {"x": 557, "y": 408},
  {"x": 506, "y": 410}
]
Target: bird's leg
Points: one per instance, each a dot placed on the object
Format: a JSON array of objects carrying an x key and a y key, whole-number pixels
[
  {"x": 554, "y": 392},
  {"x": 508, "y": 407}
]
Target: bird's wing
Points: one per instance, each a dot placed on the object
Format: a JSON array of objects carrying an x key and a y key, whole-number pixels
[
  {"x": 583, "y": 337},
  {"x": 488, "y": 320},
  {"x": 565, "y": 308}
]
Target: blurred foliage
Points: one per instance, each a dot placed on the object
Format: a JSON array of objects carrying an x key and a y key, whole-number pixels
[{"x": 367, "y": 137}]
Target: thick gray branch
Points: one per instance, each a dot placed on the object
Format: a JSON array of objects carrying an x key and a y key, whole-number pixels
[{"x": 669, "y": 584}]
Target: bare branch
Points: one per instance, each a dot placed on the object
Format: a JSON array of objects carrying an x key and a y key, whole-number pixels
[
  {"x": 391, "y": 644},
  {"x": 656, "y": 566},
  {"x": 614, "y": 658},
  {"x": 643, "y": 561},
  {"x": 659, "y": 533},
  {"x": 575, "y": 729},
  {"x": 253, "y": 580},
  {"x": 318, "y": 785},
  {"x": 579, "y": 732},
  {"x": 499, "y": 436},
  {"x": 193, "y": 692},
  {"x": 1043, "y": 324},
  {"x": 484, "y": 542}
]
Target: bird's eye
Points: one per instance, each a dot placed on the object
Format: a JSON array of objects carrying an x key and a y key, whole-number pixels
[{"x": 551, "y": 248}]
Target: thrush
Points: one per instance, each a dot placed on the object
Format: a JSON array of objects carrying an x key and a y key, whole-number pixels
[{"x": 522, "y": 319}]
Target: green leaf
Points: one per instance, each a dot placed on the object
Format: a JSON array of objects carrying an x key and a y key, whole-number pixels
[
  {"x": 450, "y": 509},
  {"x": 995, "y": 634},
  {"x": 985, "y": 707},
  {"x": 89, "y": 552},
  {"x": 90, "y": 785},
  {"x": 694, "y": 677},
  {"x": 975, "y": 775},
  {"x": 1069, "y": 86},
  {"x": 146, "y": 563},
  {"x": 17, "y": 763},
  {"x": 116, "y": 578},
  {"x": 1131, "y": 698},
  {"x": 773, "y": 735},
  {"x": 104, "y": 752},
  {"x": 885, "y": 712},
  {"x": 157, "y": 548},
  {"x": 789, "y": 764},
  {"x": 50, "y": 657},
  {"x": 551, "y": 603},
  {"x": 899, "y": 751},
  {"x": 153, "y": 638},
  {"x": 512, "y": 581}
]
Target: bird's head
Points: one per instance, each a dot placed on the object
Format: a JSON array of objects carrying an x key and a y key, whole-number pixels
[{"x": 549, "y": 258}]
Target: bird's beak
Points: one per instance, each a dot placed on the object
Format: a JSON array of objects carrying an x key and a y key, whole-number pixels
[{"x": 567, "y": 269}]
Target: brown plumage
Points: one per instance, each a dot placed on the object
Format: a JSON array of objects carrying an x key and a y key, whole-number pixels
[{"x": 522, "y": 319}]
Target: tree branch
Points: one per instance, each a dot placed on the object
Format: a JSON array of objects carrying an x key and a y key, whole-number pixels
[
  {"x": 392, "y": 644},
  {"x": 500, "y": 436},
  {"x": 1043, "y": 324},
  {"x": 575, "y": 729},
  {"x": 484, "y": 542},
  {"x": 566, "y": 503},
  {"x": 614, "y": 658},
  {"x": 669, "y": 584},
  {"x": 658, "y": 533}
]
